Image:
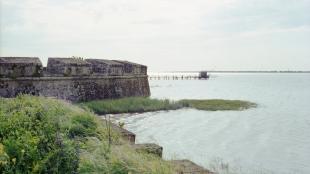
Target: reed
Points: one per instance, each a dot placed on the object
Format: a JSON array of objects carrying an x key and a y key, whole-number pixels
[
  {"x": 131, "y": 105},
  {"x": 145, "y": 104},
  {"x": 218, "y": 104}
]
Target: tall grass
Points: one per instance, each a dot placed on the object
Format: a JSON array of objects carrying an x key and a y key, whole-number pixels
[
  {"x": 39, "y": 135},
  {"x": 141, "y": 104},
  {"x": 218, "y": 104},
  {"x": 131, "y": 105}
]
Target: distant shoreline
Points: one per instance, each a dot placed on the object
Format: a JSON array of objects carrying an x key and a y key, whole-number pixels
[{"x": 213, "y": 71}]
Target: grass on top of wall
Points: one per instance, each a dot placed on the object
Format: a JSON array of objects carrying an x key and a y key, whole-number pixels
[{"x": 145, "y": 104}]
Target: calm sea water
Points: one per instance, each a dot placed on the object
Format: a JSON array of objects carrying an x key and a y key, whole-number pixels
[{"x": 272, "y": 138}]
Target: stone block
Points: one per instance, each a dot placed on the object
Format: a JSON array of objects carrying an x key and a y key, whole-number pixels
[
  {"x": 68, "y": 67},
  {"x": 189, "y": 167},
  {"x": 126, "y": 135},
  {"x": 14, "y": 67},
  {"x": 106, "y": 67},
  {"x": 131, "y": 68},
  {"x": 149, "y": 148}
]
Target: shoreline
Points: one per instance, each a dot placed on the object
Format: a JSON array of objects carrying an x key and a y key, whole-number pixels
[{"x": 182, "y": 165}]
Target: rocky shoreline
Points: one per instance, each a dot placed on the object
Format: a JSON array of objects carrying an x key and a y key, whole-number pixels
[{"x": 184, "y": 166}]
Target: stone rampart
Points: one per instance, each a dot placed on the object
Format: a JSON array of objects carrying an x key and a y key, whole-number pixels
[
  {"x": 71, "y": 79},
  {"x": 13, "y": 67}
]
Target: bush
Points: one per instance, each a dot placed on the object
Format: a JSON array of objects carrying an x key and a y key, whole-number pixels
[
  {"x": 39, "y": 135},
  {"x": 31, "y": 139},
  {"x": 83, "y": 126}
]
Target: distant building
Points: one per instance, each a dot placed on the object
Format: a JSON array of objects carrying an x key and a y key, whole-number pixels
[
  {"x": 106, "y": 67},
  {"x": 13, "y": 67},
  {"x": 131, "y": 68},
  {"x": 68, "y": 67},
  {"x": 203, "y": 75}
]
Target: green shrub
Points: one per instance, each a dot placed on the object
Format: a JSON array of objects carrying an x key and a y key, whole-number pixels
[
  {"x": 31, "y": 139},
  {"x": 83, "y": 126},
  {"x": 40, "y": 135}
]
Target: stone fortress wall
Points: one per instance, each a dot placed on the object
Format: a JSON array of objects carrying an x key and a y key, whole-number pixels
[{"x": 73, "y": 79}]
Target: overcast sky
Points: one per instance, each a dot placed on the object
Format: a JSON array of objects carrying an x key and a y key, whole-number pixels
[{"x": 163, "y": 34}]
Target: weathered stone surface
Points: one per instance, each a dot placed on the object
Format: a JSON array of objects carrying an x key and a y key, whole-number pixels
[
  {"x": 106, "y": 67},
  {"x": 77, "y": 88},
  {"x": 126, "y": 134},
  {"x": 133, "y": 68},
  {"x": 189, "y": 167},
  {"x": 149, "y": 148},
  {"x": 68, "y": 67},
  {"x": 13, "y": 67},
  {"x": 70, "y": 79}
]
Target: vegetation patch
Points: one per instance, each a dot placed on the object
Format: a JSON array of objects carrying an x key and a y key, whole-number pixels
[
  {"x": 145, "y": 104},
  {"x": 131, "y": 105},
  {"x": 40, "y": 135},
  {"x": 218, "y": 104}
]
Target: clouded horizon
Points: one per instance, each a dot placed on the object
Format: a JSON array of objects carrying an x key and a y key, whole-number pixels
[{"x": 166, "y": 35}]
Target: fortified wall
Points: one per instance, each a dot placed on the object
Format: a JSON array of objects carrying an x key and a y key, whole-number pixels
[{"x": 73, "y": 79}]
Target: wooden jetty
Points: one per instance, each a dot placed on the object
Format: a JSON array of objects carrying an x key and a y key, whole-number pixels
[{"x": 203, "y": 75}]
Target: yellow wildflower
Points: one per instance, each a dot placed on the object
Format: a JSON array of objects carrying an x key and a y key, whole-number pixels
[{"x": 1, "y": 149}]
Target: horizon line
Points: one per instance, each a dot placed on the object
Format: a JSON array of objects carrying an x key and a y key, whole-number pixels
[{"x": 241, "y": 71}]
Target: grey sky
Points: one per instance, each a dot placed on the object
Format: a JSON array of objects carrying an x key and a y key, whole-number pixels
[{"x": 163, "y": 34}]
